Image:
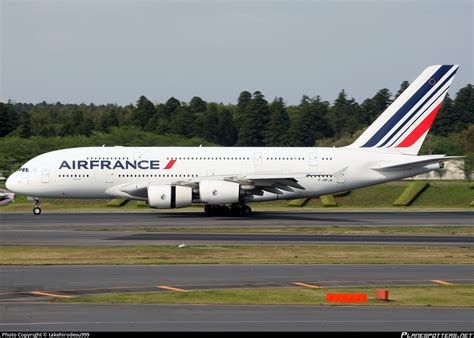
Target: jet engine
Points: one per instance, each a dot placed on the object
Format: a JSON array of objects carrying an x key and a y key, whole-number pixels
[
  {"x": 219, "y": 192},
  {"x": 169, "y": 196}
]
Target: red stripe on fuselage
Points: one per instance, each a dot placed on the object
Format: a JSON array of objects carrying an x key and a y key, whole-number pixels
[
  {"x": 420, "y": 129},
  {"x": 170, "y": 164}
]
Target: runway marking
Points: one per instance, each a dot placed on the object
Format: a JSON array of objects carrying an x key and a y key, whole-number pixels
[
  {"x": 307, "y": 285},
  {"x": 441, "y": 282},
  {"x": 40, "y": 293},
  {"x": 171, "y": 288}
]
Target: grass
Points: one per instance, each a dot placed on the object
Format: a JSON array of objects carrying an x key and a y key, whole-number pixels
[
  {"x": 452, "y": 295},
  {"x": 442, "y": 194},
  {"x": 236, "y": 254},
  {"x": 334, "y": 230},
  {"x": 411, "y": 192},
  {"x": 328, "y": 201}
]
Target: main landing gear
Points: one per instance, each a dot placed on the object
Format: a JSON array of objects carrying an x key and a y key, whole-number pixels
[
  {"x": 37, "y": 207},
  {"x": 223, "y": 210}
]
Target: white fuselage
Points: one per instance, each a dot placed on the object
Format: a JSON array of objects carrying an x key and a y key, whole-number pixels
[{"x": 103, "y": 172}]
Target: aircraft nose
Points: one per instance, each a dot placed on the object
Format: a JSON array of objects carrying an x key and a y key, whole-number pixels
[{"x": 11, "y": 182}]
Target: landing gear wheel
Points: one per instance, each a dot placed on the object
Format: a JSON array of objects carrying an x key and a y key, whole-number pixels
[
  {"x": 217, "y": 210},
  {"x": 37, "y": 207},
  {"x": 246, "y": 210},
  {"x": 240, "y": 210},
  {"x": 210, "y": 210}
]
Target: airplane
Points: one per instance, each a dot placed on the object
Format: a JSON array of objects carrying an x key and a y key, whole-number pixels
[
  {"x": 6, "y": 197},
  {"x": 226, "y": 179}
]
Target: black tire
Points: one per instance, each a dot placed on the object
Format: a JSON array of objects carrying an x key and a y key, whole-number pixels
[
  {"x": 224, "y": 210},
  {"x": 209, "y": 210},
  {"x": 246, "y": 210},
  {"x": 36, "y": 211},
  {"x": 235, "y": 210}
]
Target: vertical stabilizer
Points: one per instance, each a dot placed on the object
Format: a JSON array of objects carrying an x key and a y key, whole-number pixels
[{"x": 404, "y": 124}]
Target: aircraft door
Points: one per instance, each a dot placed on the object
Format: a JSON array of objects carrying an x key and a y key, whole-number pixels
[
  {"x": 109, "y": 177},
  {"x": 257, "y": 158},
  {"x": 45, "y": 176},
  {"x": 313, "y": 159}
]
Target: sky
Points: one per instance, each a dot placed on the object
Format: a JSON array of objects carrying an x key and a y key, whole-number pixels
[{"x": 109, "y": 51}]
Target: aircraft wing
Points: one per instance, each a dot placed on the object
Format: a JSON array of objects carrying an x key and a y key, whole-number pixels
[
  {"x": 425, "y": 160},
  {"x": 255, "y": 183}
]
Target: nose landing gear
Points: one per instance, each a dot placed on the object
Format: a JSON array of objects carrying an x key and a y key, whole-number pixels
[{"x": 37, "y": 207}]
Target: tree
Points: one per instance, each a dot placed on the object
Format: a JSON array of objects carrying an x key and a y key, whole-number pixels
[
  {"x": 144, "y": 112},
  {"x": 255, "y": 116},
  {"x": 466, "y": 139},
  {"x": 107, "y": 120},
  {"x": 25, "y": 125},
  {"x": 226, "y": 130},
  {"x": 376, "y": 105},
  {"x": 244, "y": 100},
  {"x": 197, "y": 105},
  {"x": 181, "y": 121},
  {"x": 171, "y": 105},
  {"x": 463, "y": 108},
  {"x": 207, "y": 123},
  {"x": 445, "y": 119},
  {"x": 8, "y": 119},
  {"x": 77, "y": 123},
  {"x": 310, "y": 123},
  {"x": 87, "y": 126},
  {"x": 403, "y": 86},
  {"x": 345, "y": 116},
  {"x": 276, "y": 132},
  {"x": 441, "y": 145}
]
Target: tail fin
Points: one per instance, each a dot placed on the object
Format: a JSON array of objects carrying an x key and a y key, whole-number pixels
[{"x": 404, "y": 124}]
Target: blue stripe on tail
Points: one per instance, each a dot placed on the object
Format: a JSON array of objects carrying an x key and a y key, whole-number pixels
[
  {"x": 437, "y": 91},
  {"x": 409, "y": 104}
]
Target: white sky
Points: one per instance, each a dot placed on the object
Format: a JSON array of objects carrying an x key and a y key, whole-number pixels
[{"x": 114, "y": 51}]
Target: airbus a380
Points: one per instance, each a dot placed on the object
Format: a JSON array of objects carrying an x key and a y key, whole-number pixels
[{"x": 229, "y": 178}]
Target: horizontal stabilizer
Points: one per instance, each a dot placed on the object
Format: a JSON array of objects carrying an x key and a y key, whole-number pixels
[{"x": 416, "y": 164}]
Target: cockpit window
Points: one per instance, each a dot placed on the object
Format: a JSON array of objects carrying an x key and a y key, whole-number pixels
[{"x": 25, "y": 170}]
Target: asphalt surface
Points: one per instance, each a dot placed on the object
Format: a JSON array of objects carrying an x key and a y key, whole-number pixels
[
  {"x": 131, "y": 220},
  {"x": 130, "y": 228},
  {"x": 16, "y": 282},
  {"x": 20, "y": 309},
  {"x": 134, "y": 317}
]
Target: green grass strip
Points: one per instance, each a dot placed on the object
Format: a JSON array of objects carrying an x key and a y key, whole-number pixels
[
  {"x": 410, "y": 193},
  {"x": 117, "y": 202},
  {"x": 436, "y": 295},
  {"x": 298, "y": 202},
  {"x": 236, "y": 254},
  {"x": 328, "y": 201}
]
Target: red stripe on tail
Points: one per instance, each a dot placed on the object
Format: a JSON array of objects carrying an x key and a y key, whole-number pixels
[{"x": 420, "y": 129}]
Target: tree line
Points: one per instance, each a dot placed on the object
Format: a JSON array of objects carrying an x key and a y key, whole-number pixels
[{"x": 253, "y": 121}]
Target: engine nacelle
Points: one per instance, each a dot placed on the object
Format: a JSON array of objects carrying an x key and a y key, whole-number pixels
[
  {"x": 219, "y": 192},
  {"x": 169, "y": 196}
]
